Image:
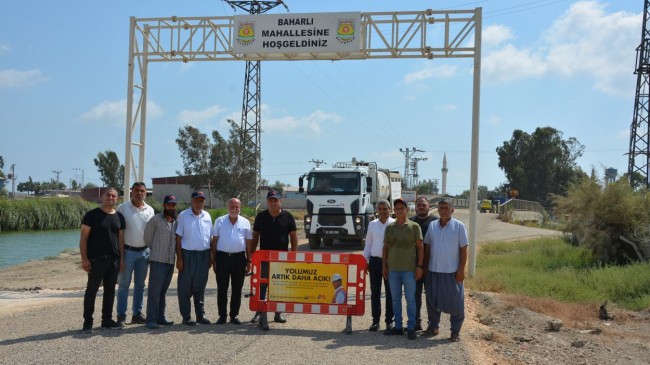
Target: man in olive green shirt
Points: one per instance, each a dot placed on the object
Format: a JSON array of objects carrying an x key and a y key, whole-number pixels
[{"x": 402, "y": 265}]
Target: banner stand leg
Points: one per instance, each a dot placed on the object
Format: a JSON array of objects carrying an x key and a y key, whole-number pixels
[
  {"x": 264, "y": 321},
  {"x": 348, "y": 325}
]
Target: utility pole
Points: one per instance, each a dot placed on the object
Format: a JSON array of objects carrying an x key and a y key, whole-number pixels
[
  {"x": 415, "y": 181},
  {"x": 408, "y": 153},
  {"x": 317, "y": 162},
  {"x": 12, "y": 176},
  {"x": 250, "y": 130},
  {"x": 57, "y": 173},
  {"x": 82, "y": 175},
  {"x": 639, "y": 154}
]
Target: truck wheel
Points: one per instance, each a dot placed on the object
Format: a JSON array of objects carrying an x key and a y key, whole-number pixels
[
  {"x": 314, "y": 243},
  {"x": 328, "y": 242}
]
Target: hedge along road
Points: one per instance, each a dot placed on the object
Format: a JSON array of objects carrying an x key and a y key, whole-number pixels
[{"x": 44, "y": 325}]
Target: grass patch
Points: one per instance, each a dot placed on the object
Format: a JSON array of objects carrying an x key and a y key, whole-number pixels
[{"x": 551, "y": 268}]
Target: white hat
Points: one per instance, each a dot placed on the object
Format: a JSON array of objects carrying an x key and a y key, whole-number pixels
[{"x": 336, "y": 277}]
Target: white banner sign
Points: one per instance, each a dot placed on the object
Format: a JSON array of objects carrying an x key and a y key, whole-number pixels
[{"x": 299, "y": 33}]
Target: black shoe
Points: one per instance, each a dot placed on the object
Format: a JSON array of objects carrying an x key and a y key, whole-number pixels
[
  {"x": 202, "y": 320},
  {"x": 418, "y": 326},
  {"x": 138, "y": 319},
  {"x": 264, "y": 325},
  {"x": 165, "y": 322},
  {"x": 394, "y": 331},
  {"x": 235, "y": 320},
  {"x": 112, "y": 325},
  {"x": 279, "y": 318},
  {"x": 189, "y": 322},
  {"x": 121, "y": 320},
  {"x": 412, "y": 335},
  {"x": 88, "y": 328},
  {"x": 256, "y": 317},
  {"x": 221, "y": 320},
  {"x": 152, "y": 325},
  {"x": 390, "y": 326},
  {"x": 455, "y": 337},
  {"x": 374, "y": 327}
]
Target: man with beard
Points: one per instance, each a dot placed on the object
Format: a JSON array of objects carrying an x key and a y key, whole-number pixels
[
  {"x": 423, "y": 219},
  {"x": 102, "y": 231},
  {"x": 160, "y": 237}
]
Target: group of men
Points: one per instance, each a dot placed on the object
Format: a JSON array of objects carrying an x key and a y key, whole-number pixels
[
  {"x": 411, "y": 254},
  {"x": 129, "y": 241}
]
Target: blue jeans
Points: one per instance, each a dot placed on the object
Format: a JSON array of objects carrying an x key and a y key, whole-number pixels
[
  {"x": 135, "y": 265},
  {"x": 397, "y": 279}
]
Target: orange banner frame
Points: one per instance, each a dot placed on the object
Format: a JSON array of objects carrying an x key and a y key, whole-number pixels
[{"x": 356, "y": 282}]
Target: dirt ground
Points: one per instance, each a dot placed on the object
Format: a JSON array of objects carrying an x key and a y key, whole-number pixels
[{"x": 499, "y": 329}]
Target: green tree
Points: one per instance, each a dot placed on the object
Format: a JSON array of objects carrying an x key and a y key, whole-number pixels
[
  {"x": 482, "y": 191},
  {"x": 89, "y": 185},
  {"x": 220, "y": 161},
  {"x": 110, "y": 171},
  {"x": 278, "y": 186},
  {"x": 541, "y": 163},
  {"x": 2, "y": 166},
  {"x": 29, "y": 186},
  {"x": 425, "y": 187}
]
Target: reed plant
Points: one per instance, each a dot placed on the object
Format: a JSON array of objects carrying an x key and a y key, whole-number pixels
[
  {"x": 42, "y": 213},
  {"x": 552, "y": 268}
]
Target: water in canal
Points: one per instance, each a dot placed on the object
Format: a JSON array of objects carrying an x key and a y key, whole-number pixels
[{"x": 19, "y": 247}]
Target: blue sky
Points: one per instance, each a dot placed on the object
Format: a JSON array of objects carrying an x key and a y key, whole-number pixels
[{"x": 564, "y": 64}]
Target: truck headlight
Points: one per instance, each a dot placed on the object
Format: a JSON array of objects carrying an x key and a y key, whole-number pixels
[{"x": 307, "y": 219}]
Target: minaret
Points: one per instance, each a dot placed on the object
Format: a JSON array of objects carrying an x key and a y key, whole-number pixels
[{"x": 444, "y": 174}]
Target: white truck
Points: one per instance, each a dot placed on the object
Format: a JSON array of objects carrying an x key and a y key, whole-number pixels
[{"x": 341, "y": 200}]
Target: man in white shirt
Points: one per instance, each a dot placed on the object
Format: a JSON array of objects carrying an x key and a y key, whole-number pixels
[
  {"x": 134, "y": 254},
  {"x": 372, "y": 251},
  {"x": 231, "y": 237},
  {"x": 193, "y": 259}
]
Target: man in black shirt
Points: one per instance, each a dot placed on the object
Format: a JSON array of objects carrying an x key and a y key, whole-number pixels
[
  {"x": 423, "y": 219},
  {"x": 102, "y": 230},
  {"x": 274, "y": 228}
]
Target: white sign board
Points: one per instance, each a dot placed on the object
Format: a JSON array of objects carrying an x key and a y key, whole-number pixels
[{"x": 297, "y": 33}]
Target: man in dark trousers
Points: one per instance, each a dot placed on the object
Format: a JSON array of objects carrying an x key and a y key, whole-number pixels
[
  {"x": 231, "y": 236},
  {"x": 193, "y": 259},
  {"x": 274, "y": 228},
  {"x": 423, "y": 218},
  {"x": 160, "y": 237},
  {"x": 102, "y": 230}
]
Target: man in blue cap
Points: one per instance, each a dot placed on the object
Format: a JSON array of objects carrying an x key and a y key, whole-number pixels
[
  {"x": 193, "y": 259},
  {"x": 160, "y": 237}
]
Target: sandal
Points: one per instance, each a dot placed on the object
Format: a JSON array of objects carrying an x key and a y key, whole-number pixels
[{"x": 430, "y": 332}]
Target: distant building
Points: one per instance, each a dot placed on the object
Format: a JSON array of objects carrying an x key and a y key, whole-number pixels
[
  {"x": 2, "y": 182},
  {"x": 181, "y": 188},
  {"x": 291, "y": 198}
]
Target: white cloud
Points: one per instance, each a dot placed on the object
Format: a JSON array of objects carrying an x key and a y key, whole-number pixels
[
  {"x": 114, "y": 112},
  {"x": 196, "y": 117},
  {"x": 493, "y": 120},
  {"x": 585, "y": 40},
  {"x": 431, "y": 71},
  {"x": 13, "y": 78},
  {"x": 5, "y": 47},
  {"x": 446, "y": 107},
  {"x": 309, "y": 125},
  {"x": 494, "y": 35}
]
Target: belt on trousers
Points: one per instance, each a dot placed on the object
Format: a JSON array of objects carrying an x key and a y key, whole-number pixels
[
  {"x": 231, "y": 253},
  {"x": 131, "y": 248}
]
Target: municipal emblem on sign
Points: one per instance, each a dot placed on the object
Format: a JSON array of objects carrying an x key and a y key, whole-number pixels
[
  {"x": 246, "y": 33},
  {"x": 345, "y": 31}
]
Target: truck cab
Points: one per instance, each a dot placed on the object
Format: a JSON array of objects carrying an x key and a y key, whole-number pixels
[{"x": 340, "y": 201}]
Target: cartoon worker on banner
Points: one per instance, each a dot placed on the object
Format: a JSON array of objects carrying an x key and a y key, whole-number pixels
[{"x": 339, "y": 290}]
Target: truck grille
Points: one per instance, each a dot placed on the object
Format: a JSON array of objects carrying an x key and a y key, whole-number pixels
[{"x": 331, "y": 217}]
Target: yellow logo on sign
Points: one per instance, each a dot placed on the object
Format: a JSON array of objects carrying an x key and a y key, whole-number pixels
[{"x": 246, "y": 33}]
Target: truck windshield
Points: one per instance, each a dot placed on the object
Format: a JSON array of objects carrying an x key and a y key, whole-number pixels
[{"x": 333, "y": 183}]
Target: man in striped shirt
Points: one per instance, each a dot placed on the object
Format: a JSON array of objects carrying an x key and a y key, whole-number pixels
[{"x": 160, "y": 237}]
